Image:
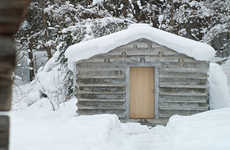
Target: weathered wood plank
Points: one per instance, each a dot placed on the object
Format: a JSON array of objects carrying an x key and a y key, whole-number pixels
[
  {"x": 100, "y": 81},
  {"x": 187, "y": 108},
  {"x": 101, "y": 92},
  {"x": 109, "y": 104},
  {"x": 12, "y": 13},
  {"x": 185, "y": 76},
  {"x": 181, "y": 99},
  {"x": 183, "y": 105},
  {"x": 99, "y": 65},
  {"x": 183, "y": 81},
  {"x": 101, "y": 72},
  {"x": 191, "y": 94},
  {"x": 101, "y": 100},
  {"x": 178, "y": 91},
  {"x": 183, "y": 86},
  {"x": 169, "y": 113},
  {"x": 101, "y": 77},
  {"x": 86, "y": 69},
  {"x": 101, "y": 85},
  {"x": 100, "y": 96},
  {"x": 134, "y": 58},
  {"x": 7, "y": 64},
  {"x": 4, "y": 132},
  {"x": 102, "y": 89},
  {"x": 157, "y": 51},
  {"x": 185, "y": 70},
  {"x": 198, "y": 64},
  {"x": 119, "y": 113},
  {"x": 80, "y": 107}
]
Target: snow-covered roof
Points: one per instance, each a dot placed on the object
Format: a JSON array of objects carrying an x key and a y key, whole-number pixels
[{"x": 87, "y": 49}]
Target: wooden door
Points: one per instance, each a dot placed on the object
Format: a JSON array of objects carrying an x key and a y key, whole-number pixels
[{"x": 142, "y": 92}]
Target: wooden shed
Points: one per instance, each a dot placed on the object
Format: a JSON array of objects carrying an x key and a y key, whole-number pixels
[{"x": 141, "y": 74}]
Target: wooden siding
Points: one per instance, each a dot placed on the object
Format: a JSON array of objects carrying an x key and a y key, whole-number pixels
[
  {"x": 102, "y": 80},
  {"x": 4, "y": 132}
]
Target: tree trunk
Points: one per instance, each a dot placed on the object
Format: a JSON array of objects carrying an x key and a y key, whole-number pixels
[
  {"x": 31, "y": 64},
  {"x": 44, "y": 21}
]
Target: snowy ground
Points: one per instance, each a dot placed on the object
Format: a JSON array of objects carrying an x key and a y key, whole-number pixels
[{"x": 44, "y": 130}]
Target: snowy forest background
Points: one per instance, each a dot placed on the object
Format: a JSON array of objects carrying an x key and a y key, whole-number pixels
[{"x": 53, "y": 25}]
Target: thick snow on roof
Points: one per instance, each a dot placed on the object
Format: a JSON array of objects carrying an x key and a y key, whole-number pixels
[{"x": 87, "y": 49}]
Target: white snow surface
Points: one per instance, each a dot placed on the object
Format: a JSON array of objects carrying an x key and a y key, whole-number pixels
[
  {"x": 98, "y": 2},
  {"x": 87, "y": 49},
  {"x": 219, "y": 88},
  {"x": 36, "y": 129},
  {"x": 226, "y": 68}
]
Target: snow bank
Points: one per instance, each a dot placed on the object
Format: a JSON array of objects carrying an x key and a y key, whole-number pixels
[
  {"x": 87, "y": 49},
  {"x": 226, "y": 68},
  {"x": 82, "y": 133},
  {"x": 219, "y": 90},
  {"x": 205, "y": 131},
  {"x": 209, "y": 130},
  {"x": 25, "y": 95}
]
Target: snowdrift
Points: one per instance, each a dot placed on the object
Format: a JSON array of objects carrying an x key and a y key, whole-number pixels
[{"x": 208, "y": 130}]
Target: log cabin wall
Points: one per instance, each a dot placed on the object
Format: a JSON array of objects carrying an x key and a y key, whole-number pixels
[
  {"x": 181, "y": 81},
  {"x": 12, "y": 13}
]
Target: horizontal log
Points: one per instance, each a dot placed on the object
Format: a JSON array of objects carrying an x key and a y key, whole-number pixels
[
  {"x": 120, "y": 114},
  {"x": 100, "y": 81},
  {"x": 101, "y": 100},
  {"x": 101, "y": 92},
  {"x": 163, "y": 85},
  {"x": 12, "y": 13},
  {"x": 181, "y": 81},
  {"x": 133, "y": 59},
  {"x": 193, "y": 94},
  {"x": 86, "y": 64},
  {"x": 188, "y": 91},
  {"x": 109, "y": 104},
  {"x": 101, "y": 85},
  {"x": 102, "y": 89},
  {"x": 186, "y": 108},
  {"x": 123, "y": 65},
  {"x": 4, "y": 132},
  {"x": 185, "y": 70},
  {"x": 13, "y": 4},
  {"x": 149, "y": 122},
  {"x": 101, "y": 77},
  {"x": 181, "y": 114},
  {"x": 169, "y": 113},
  {"x": 187, "y": 99},
  {"x": 185, "y": 76},
  {"x": 156, "y": 51},
  {"x": 86, "y": 69},
  {"x": 184, "y": 101},
  {"x": 197, "y": 64},
  {"x": 175, "y": 105},
  {"x": 80, "y": 107},
  {"x": 101, "y": 72},
  {"x": 100, "y": 96}
]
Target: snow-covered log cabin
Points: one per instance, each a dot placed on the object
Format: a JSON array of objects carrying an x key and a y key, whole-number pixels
[{"x": 141, "y": 74}]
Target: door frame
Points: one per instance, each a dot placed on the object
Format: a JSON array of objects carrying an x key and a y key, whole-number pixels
[{"x": 156, "y": 79}]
